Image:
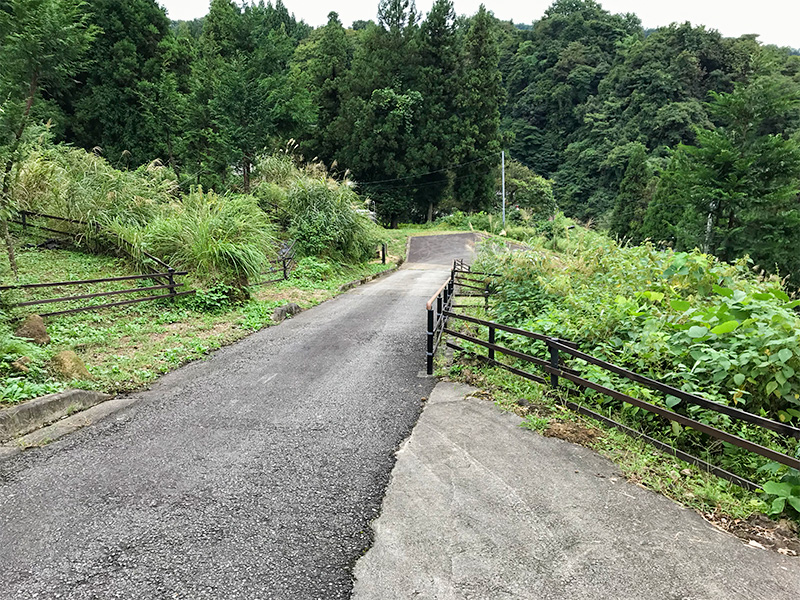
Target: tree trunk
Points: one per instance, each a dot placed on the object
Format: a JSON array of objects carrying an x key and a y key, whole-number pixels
[
  {"x": 712, "y": 209},
  {"x": 246, "y": 174},
  {"x": 430, "y": 211},
  {"x": 5, "y": 203},
  {"x": 395, "y": 222}
]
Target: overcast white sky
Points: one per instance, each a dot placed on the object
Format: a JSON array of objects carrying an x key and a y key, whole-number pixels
[{"x": 776, "y": 21}]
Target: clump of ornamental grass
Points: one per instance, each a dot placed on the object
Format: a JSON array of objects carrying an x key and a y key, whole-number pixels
[
  {"x": 326, "y": 222},
  {"x": 218, "y": 238}
]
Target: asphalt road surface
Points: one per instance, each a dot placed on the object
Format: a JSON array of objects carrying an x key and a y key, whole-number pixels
[{"x": 253, "y": 474}]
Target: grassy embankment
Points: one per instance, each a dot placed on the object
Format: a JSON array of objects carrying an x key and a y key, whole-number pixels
[
  {"x": 223, "y": 241},
  {"x": 719, "y": 330},
  {"x": 128, "y": 347}
]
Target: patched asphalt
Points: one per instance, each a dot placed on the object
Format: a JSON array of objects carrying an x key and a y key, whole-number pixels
[{"x": 252, "y": 474}]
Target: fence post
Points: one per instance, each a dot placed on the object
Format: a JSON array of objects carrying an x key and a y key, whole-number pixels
[
  {"x": 285, "y": 274},
  {"x": 24, "y": 220},
  {"x": 383, "y": 253},
  {"x": 429, "y": 353},
  {"x": 553, "y": 363},
  {"x": 171, "y": 277},
  {"x": 485, "y": 299},
  {"x": 491, "y": 341},
  {"x": 452, "y": 285}
]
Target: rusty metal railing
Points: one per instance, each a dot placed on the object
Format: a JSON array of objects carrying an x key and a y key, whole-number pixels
[{"x": 555, "y": 371}]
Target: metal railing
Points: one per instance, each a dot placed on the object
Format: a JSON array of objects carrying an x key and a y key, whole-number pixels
[
  {"x": 168, "y": 276},
  {"x": 282, "y": 266},
  {"x": 441, "y": 303},
  {"x": 555, "y": 371},
  {"x": 148, "y": 262},
  {"x": 157, "y": 270}
]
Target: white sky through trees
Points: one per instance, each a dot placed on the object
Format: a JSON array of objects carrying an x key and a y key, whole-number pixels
[{"x": 776, "y": 21}]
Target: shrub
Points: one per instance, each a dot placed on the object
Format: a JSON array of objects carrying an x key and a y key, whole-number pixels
[
  {"x": 685, "y": 318},
  {"x": 312, "y": 269},
  {"x": 325, "y": 222},
  {"x": 72, "y": 183},
  {"x": 226, "y": 239}
]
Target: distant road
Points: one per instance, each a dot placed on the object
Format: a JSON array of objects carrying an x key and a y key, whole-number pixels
[{"x": 431, "y": 251}]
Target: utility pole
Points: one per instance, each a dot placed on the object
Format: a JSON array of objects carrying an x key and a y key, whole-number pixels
[{"x": 503, "y": 177}]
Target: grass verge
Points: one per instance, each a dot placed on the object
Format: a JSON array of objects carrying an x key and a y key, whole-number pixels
[{"x": 126, "y": 348}]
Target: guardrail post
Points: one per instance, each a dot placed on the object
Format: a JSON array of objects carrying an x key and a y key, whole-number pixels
[
  {"x": 383, "y": 253},
  {"x": 429, "y": 353},
  {"x": 491, "y": 341},
  {"x": 553, "y": 363},
  {"x": 171, "y": 277},
  {"x": 446, "y": 298},
  {"x": 451, "y": 286}
]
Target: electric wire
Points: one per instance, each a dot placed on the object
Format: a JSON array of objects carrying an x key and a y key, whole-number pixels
[{"x": 418, "y": 175}]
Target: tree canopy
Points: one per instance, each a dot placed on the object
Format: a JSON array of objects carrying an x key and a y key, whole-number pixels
[{"x": 676, "y": 134}]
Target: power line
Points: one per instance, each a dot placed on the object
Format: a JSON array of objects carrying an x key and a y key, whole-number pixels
[
  {"x": 449, "y": 167},
  {"x": 419, "y": 185}
]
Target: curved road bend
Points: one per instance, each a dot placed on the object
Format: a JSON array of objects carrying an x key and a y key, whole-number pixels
[{"x": 252, "y": 474}]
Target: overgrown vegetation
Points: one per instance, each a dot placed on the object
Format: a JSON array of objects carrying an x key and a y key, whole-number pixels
[
  {"x": 125, "y": 348},
  {"x": 707, "y": 327}
]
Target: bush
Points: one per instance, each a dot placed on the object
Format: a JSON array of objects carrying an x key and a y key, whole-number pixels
[
  {"x": 701, "y": 325},
  {"x": 325, "y": 222},
  {"x": 224, "y": 239},
  {"x": 75, "y": 184},
  {"x": 312, "y": 269}
]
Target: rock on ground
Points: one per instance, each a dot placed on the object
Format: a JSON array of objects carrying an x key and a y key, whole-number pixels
[
  {"x": 33, "y": 328},
  {"x": 70, "y": 366}
]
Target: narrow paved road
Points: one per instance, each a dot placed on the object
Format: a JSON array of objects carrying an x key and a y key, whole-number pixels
[{"x": 252, "y": 474}]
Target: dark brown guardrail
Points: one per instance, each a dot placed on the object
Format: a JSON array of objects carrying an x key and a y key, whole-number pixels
[
  {"x": 282, "y": 265},
  {"x": 160, "y": 272},
  {"x": 556, "y": 370},
  {"x": 169, "y": 276},
  {"x": 441, "y": 303},
  {"x": 125, "y": 245}
]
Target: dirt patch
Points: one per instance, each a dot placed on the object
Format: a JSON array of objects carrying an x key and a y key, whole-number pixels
[
  {"x": 218, "y": 329},
  {"x": 304, "y": 298},
  {"x": 761, "y": 532},
  {"x": 574, "y": 432}
]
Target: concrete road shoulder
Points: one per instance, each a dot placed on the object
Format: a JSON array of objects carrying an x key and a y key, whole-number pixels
[{"x": 480, "y": 508}]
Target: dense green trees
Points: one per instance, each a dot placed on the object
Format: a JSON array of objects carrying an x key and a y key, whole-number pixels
[
  {"x": 636, "y": 129},
  {"x": 41, "y": 44},
  {"x": 116, "y": 100},
  {"x": 642, "y": 132},
  {"x": 735, "y": 191}
]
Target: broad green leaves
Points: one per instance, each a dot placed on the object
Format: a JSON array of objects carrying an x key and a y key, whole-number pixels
[{"x": 725, "y": 327}]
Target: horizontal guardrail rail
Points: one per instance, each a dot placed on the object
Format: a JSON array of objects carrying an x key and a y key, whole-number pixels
[
  {"x": 170, "y": 275},
  {"x": 159, "y": 271},
  {"x": 282, "y": 265},
  {"x": 553, "y": 367}
]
